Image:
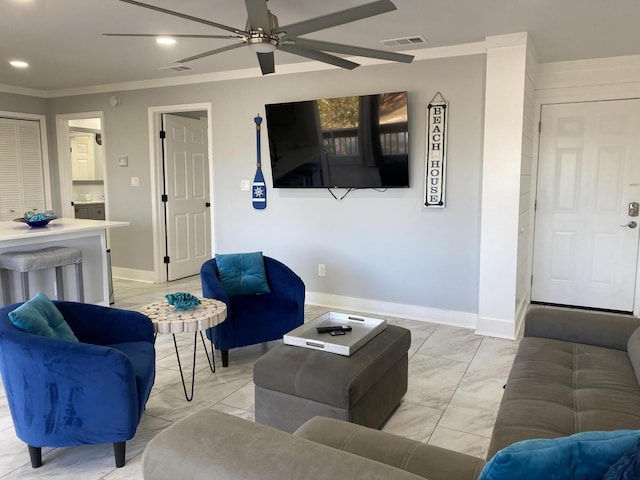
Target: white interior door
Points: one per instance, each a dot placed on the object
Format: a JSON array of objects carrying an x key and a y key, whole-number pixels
[
  {"x": 589, "y": 174},
  {"x": 188, "y": 220},
  {"x": 82, "y": 164}
]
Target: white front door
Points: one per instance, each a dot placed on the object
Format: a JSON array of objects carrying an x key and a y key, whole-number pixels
[
  {"x": 188, "y": 221},
  {"x": 588, "y": 176}
]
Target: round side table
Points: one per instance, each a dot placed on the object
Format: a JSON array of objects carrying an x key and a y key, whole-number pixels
[{"x": 166, "y": 319}]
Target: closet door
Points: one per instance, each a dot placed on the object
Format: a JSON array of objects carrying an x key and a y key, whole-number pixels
[{"x": 21, "y": 169}]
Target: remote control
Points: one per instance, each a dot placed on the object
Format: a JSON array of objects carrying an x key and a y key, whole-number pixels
[
  {"x": 337, "y": 332},
  {"x": 334, "y": 328}
]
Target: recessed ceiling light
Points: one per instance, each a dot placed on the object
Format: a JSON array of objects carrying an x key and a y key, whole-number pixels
[
  {"x": 18, "y": 64},
  {"x": 166, "y": 40}
]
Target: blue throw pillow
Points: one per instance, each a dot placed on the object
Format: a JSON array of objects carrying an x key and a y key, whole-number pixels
[
  {"x": 242, "y": 273},
  {"x": 627, "y": 467},
  {"x": 582, "y": 456},
  {"x": 41, "y": 317}
]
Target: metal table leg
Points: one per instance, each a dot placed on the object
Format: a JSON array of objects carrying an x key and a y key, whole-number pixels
[{"x": 211, "y": 360}]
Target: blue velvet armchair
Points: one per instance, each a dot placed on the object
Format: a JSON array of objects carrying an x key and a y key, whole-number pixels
[
  {"x": 256, "y": 318},
  {"x": 64, "y": 393}
]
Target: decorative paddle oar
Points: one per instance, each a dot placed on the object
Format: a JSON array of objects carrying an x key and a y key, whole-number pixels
[{"x": 259, "y": 189}]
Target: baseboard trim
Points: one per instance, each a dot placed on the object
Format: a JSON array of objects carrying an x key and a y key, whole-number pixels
[
  {"x": 496, "y": 327},
  {"x": 132, "y": 274},
  {"x": 411, "y": 312}
]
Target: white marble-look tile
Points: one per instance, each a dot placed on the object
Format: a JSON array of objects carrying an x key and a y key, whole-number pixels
[
  {"x": 433, "y": 381},
  {"x": 462, "y": 442},
  {"x": 454, "y": 343},
  {"x": 413, "y": 421},
  {"x": 474, "y": 406},
  {"x": 6, "y": 422},
  {"x": 420, "y": 332},
  {"x": 494, "y": 358},
  {"x": 132, "y": 470},
  {"x": 243, "y": 398},
  {"x": 14, "y": 452}
]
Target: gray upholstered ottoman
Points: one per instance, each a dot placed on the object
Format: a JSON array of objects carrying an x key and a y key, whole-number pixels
[{"x": 294, "y": 384}]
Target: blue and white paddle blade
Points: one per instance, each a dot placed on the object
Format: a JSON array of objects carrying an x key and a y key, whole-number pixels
[{"x": 259, "y": 191}]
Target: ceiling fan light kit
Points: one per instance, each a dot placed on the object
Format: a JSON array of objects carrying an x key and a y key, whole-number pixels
[
  {"x": 264, "y": 36},
  {"x": 261, "y": 43}
]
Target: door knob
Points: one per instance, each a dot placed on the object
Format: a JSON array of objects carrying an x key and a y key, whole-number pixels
[{"x": 631, "y": 224}]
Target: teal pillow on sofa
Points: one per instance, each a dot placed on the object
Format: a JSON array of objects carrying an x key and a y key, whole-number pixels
[
  {"x": 41, "y": 317},
  {"x": 242, "y": 273},
  {"x": 582, "y": 456}
]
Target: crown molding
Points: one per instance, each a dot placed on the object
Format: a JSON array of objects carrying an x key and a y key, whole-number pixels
[
  {"x": 478, "y": 48},
  {"x": 30, "y": 92}
]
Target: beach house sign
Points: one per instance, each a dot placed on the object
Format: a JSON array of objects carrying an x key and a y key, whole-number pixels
[{"x": 436, "y": 156}]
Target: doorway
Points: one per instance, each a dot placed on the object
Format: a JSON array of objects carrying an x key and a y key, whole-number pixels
[
  {"x": 82, "y": 170},
  {"x": 181, "y": 200},
  {"x": 586, "y": 228}
]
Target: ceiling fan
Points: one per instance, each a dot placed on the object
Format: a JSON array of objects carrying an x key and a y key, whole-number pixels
[{"x": 263, "y": 35}]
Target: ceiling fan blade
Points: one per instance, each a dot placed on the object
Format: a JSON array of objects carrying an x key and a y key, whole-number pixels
[
  {"x": 351, "y": 50},
  {"x": 176, "y": 35},
  {"x": 258, "y": 15},
  {"x": 337, "y": 18},
  {"x": 185, "y": 16},
  {"x": 266, "y": 61},
  {"x": 320, "y": 56},
  {"x": 212, "y": 52}
]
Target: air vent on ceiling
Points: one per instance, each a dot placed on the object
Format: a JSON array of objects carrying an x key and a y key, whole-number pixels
[
  {"x": 177, "y": 68},
  {"x": 404, "y": 41}
]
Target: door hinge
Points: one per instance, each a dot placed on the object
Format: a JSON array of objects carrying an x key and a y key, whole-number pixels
[
  {"x": 539, "y": 127},
  {"x": 163, "y": 134},
  {"x": 207, "y": 204},
  {"x": 165, "y": 197},
  {"x": 166, "y": 259},
  {"x": 535, "y": 205}
]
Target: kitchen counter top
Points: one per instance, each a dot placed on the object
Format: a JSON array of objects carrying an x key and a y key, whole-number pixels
[
  {"x": 88, "y": 202},
  {"x": 17, "y": 230}
]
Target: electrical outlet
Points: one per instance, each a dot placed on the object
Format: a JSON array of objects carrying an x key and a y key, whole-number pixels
[
  {"x": 321, "y": 270},
  {"x": 135, "y": 181},
  {"x": 245, "y": 185}
]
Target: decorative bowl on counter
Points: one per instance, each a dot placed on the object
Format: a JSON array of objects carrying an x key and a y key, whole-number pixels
[{"x": 36, "y": 220}]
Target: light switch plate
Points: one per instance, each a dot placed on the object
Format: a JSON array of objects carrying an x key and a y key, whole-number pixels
[
  {"x": 123, "y": 161},
  {"x": 135, "y": 181},
  {"x": 245, "y": 185}
]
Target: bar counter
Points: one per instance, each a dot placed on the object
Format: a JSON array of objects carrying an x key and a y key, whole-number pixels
[{"x": 87, "y": 235}]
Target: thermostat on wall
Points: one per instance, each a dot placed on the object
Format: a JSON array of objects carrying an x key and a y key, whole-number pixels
[
  {"x": 123, "y": 161},
  {"x": 114, "y": 100}
]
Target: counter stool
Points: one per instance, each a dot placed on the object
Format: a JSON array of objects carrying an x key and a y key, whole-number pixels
[{"x": 50, "y": 257}]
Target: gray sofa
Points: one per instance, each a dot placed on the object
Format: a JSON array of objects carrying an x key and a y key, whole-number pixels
[{"x": 575, "y": 371}]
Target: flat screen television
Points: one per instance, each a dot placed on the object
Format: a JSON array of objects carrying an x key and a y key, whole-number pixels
[{"x": 346, "y": 142}]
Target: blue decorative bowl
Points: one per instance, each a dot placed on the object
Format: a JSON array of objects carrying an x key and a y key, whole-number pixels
[{"x": 35, "y": 223}]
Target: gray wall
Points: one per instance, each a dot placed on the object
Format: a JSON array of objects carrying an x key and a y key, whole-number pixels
[{"x": 378, "y": 246}]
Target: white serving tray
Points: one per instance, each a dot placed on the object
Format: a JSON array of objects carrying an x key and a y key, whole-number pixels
[{"x": 363, "y": 330}]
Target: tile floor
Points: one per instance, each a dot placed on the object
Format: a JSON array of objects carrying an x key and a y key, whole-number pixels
[{"x": 455, "y": 387}]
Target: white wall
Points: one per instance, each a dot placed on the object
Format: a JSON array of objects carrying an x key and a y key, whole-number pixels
[{"x": 384, "y": 247}]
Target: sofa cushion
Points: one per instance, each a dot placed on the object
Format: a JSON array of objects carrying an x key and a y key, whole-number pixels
[
  {"x": 40, "y": 316},
  {"x": 559, "y": 388},
  {"x": 583, "y": 456},
  {"x": 633, "y": 348},
  {"x": 242, "y": 273}
]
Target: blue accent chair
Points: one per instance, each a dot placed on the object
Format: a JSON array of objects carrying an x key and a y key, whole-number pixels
[
  {"x": 256, "y": 318},
  {"x": 63, "y": 393}
]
